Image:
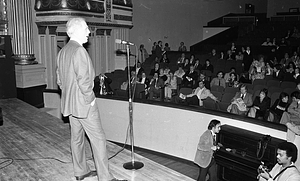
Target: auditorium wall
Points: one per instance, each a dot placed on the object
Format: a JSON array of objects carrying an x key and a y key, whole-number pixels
[{"x": 174, "y": 21}]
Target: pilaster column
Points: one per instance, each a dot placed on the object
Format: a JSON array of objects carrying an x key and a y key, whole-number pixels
[{"x": 20, "y": 27}]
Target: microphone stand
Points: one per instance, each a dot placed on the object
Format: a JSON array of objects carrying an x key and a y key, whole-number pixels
[{"x": 133, "y": 165}]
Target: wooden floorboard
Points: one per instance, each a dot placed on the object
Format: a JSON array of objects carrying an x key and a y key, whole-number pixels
[{"x": 30, "y": 139}]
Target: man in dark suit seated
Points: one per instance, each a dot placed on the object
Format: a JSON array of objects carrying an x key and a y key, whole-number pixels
[
  {"x": 189, "y": 79},
  {"x": 156, "y": 87},
  {"x": 241, "y": 102},
  {"x": 278, "y": 73}
]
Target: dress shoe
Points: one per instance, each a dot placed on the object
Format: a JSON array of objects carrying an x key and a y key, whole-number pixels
[{"x": 90, "y": 174}]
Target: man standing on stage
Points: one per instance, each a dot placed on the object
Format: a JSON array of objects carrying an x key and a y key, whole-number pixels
[
  {"x": 75, "y": 77},
  {"x": 206, "y": 148}
]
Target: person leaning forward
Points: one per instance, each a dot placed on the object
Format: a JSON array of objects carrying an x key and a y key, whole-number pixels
[
  {"x": 75, "y": 77},
  {"x": 206, "y": 148}
]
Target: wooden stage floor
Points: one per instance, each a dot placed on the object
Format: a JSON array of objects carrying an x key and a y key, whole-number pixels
[{"x": 35, "y": 146}]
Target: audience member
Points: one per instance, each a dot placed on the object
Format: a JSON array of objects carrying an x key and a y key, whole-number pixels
[
  {"x": 245, "y": 78},
  {"x": 289, "y": 72},
  {"x": 260, "y": 105},
  {"x": 233, "y": 81},
  {"x": 280, "y": 105},
  {"x": 208, "y": 66},
  {"x": 283, "y": 43},
  {"x": 257, "y": 69},
  {"x": 170, "y": 86},
  {"x": 296, "y": 75},
  {"x": 218, "y": 81},
  {"x": 293, "y": 113},
  {"x": 267, "y": 42},
  {"x": 179, "y": 73},
  {"x": 192, "y": 59},
  {"x": 153, "y": 48},
  {"x": 269, "y": 70},
  {"x": 239, "y": 56},
  {"x": 155, "y": 70},
  {"x": 197, "y": 96},
  {"x": 182, "y": 47},
  {"x": 285, "y": 60},
  {"x": 159, "y": 50},
  {"x": 143, "y": 79},
  {"x": 138, "y": 68},
  {"x": 190, "y": 77},
  {"x": 143, "y": 54},
  {"x": 241, "y": 102},
  {"x": 186, "y": 65},
  {"x": 167, "y": 48},
  {"x": 181, "y": 59},
  {"x": 214, "y": 56},
  {"x": 155, "y": 86},
  {"x": 295, "y": 59},
  {"x": 197, "y": 66},
  {"x": 102, "y": 86},
  {"x": 227, "y": 75},
  {"x": 278, "y": 73},
  {"x": 165, "y": 60},
  {"x": 206, "y": 148},
  {"x": 248, "y": 59}
]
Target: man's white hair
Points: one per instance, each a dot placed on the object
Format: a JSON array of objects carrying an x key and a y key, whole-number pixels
[{"x": 73, "y": 24}]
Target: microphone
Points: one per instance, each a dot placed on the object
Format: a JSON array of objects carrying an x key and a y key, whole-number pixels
[{"x": 123, "y": 42}]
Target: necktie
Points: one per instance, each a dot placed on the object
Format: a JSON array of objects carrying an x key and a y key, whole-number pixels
[
  {"x": 219, "y": 82},
  {"x": 214, "y": 140},
  {"x": 155, "y": 83}
]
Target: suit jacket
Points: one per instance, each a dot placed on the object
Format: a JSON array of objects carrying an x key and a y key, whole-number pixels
[
  {"x": 247, "y": 99},
  {"x": 204, "y": 152},
  {"x": 160, "y": 83},
  {"x": 204, "y": 95},
  {"x": 107, "y": 81},
  {"x": 193, "y": 75},
  {"x": 263, "y": 106},
  {"x": 247, "y": 60},
  {"x": 280, "y": 75},
  {"x": 75, "y": 77},
  {"x": 294, "y": 109},
  {"x": 218, "y": 82}
]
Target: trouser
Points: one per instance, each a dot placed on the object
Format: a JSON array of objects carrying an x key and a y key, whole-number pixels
[
  {"x": 93, "y": 128},
  {"x": 211, "y": 169}
]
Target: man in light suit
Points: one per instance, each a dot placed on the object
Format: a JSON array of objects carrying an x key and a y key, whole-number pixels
[
  {"x": 197, "y": 96},
  {"x": 75, "y": 77},
  {"x": 241, "y": 102},
  {"x": 206, "y": 148}
]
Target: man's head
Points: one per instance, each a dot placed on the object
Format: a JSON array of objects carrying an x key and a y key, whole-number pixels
[
  {"x": 201, "y": 84},
  {"x": 243, "y": 89},
  {"x": 155, "y": 76},
  {"x": 78, "y": 30},
  {"x": 214, "y": 125},
  {"x": 286, "y": 153},
  {"x": 295, "y": 96}
]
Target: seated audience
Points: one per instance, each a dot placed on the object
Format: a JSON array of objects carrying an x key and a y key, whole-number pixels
[
  {"x": 218, "y": 81},
  {"x": 295, "y": 59},
  {"x": 208, "y": 66},
  {"x": 155, "y": 70},
  {"x": 190, "y": 77},
  {"x": 214, "y": 56},
  {"x": 280, "y": 105},
  {"x": 182, "y": 47},
  {"x": 165, "y": 59},
  {"x": 260, "y": 105},
  {"x": 170, "y": 86},
  {"x": 196, "y": 97},
  {"x": 143, "y": 79},
  {"x": 102, "y": 86},
  {"x": 292, "y": 115},
  {"x": 283, "y": 43},
  {"x": 155, "y": 86},
  {"x": 163, "y": 74},
  {"x": 241, "y": 102},
  {"x": 133, "y": 79}
]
